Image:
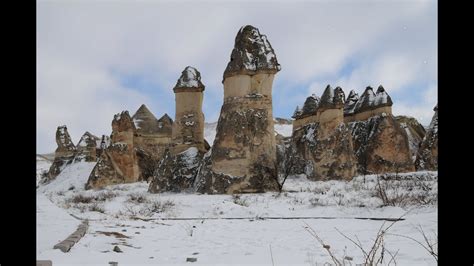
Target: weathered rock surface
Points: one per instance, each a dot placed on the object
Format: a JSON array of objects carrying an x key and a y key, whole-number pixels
[
  {"x": 243, "y": 156},
  {"x": 176, "y": 173},
  {"x": 381, "y": 145},
  {"x": 64, "y": 153},
  {"x": 152, "y": 138},
  {"x": 118, "y": 163},
  {"x": 252, "y": 54},
  {"x": 427, "y": 156},
  {"x": 188, "y": 128},
  {"x": 322, "y": 149},
  {"x": 415, "y": 133},
  {"x": 177, "y": 169},
  {"x": 87, "y": 148}
]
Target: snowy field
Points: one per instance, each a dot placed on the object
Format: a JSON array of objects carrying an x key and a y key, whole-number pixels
[{"x": 166, "y": 229}]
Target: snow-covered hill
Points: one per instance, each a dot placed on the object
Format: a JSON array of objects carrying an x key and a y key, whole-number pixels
[{"x": 168, "y": 228}]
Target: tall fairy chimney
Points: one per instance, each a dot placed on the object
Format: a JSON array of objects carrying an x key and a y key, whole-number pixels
[
  {"x": 243, "y": 157},
  {"x": 188, "y": 129}
]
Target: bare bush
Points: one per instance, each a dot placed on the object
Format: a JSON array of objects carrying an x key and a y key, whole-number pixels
[
  {"x": 373, "y": 255},
  {"x": 137, "y": 198},
  {"x": 430, "y": 244}
]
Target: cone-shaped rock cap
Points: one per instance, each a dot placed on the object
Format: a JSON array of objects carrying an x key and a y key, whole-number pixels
[
  {"x": 382, "y": 98},
  {"x": 350, "y": 102},
  {"x": 435, "y": 108},
  {"x": 252, "y": 54},
  {"x": 327, "y": 97},
  {"x": 145, "y": 121},
  {"x": 366, "y": 101},
  {"x": 190, "y": 80},
  {"x": 166, "y": 119},
  {"x": 310, "y": 106}
]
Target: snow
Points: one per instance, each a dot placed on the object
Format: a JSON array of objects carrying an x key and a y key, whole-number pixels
[
  {"x": 74, "y": 176},
  {"x": 210, "y": 132},
  {"x": 42, "y": 166},
  {"x": 137, "y": 122},
  {"x": 284, "y": 130},
  {"x": 190, "y": 157},
  {"x": 214, "y": 239}
]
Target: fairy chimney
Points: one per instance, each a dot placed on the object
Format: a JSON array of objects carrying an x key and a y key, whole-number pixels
[
  {"x": 243, "y": 157},
  {"x": 188, "y": 128}
]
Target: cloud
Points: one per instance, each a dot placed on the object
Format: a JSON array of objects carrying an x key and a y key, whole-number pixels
[{"x": 93, "y": 58}]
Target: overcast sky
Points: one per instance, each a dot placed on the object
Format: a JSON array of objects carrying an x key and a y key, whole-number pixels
[{"x": 97, "y": 58}]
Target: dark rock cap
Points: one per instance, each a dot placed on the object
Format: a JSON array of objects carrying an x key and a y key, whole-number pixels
[
  {"x": 382, "y": 98},
  {"x": 252, "y": 54},
  {"x": 365, "y": 101},
  {"x": 190, "y": 80},
  {"x": 350, "y": 102},
  {"x": 310, "y": 105}
]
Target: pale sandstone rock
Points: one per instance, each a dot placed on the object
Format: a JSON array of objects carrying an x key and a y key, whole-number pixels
[
  {"x": 243, "y": 156},
  {"x": 118, "y": 163},
  {"x": 64, "y": 154}
]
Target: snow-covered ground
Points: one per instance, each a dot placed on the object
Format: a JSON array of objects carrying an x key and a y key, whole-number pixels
[
  {"x": 42, "y": 166},
  {"x": 167, "y": 228}
]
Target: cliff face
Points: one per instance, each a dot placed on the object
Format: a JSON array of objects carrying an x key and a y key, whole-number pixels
[
  {"x": 118, "y": 162},
  {"x": 415, "y": 133},
  {"x": 243, "y": 156},
  {"x": 322, "y": 148},
  {"x": 427, "y": 156},
  {"x": 64, "y": 154},
  {"x": 381, "y": 145}
]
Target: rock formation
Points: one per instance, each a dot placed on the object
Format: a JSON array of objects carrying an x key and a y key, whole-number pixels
[
  {"x": 152, "y": 138},
  {"x": 64, "y": 153},
  {"x": 87, "y": 148},
  {"x": 321, "y": 146},
  {"x": 178, "y": 168},
  {"x": 380, "y": 144},
  {"x": 427, "y": 157},
  {"x": 118, "y": 162},
  {"x": 243, "y": 156},
  {"x": 415, "y": 133}
]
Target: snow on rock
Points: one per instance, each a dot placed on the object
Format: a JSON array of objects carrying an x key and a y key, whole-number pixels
[
  {"x": 252, "y": 53},
  {"x": 427, "y": 156},
  {"x": 190, "y": 78},
  {"x": 73, "y": 177},
  {"x": 350, "y": 102}
]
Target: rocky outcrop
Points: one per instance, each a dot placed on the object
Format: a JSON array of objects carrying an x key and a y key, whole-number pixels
[
  {"x": 152, "y": 138},
  {"x": 118, "y": 162},
  {"x": 177, "y": 169},
  {"x": 415, "y": 133},
  {"x": 322, "y": 149},
  {"x": 427, "y": 156},
  {"x": 87, "y": 148},
  {"x": 64, "y": 154},
  {"x": 176, "y": 173},
  {"x": 243, "y": 156},
  {"x": 381, "y": 145},
  {"x": 188, "y": 128}
]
